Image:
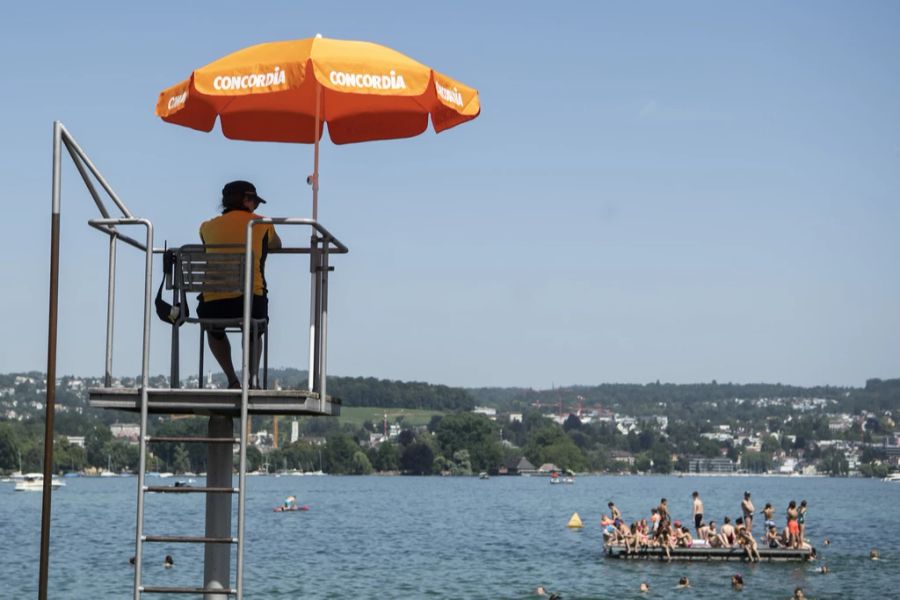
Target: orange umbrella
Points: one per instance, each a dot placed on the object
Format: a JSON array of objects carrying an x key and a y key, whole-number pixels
[{"x": 286, "y": 91}]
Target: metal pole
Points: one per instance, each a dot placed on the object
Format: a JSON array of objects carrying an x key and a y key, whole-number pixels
[
  {"x": 51, "y": 364},
  {"x": 316, "y": 308},
  {"x": 145, "y": 384},
  {"x": 110, "y": 310},
  {"x": 72, "y": 145},
  {"x": 313, "y": 289},
  {"x": 217, "y": 557},
  {"x": 87, "y": 180},
  {"x": 245, "y": 386},
  {"x": 323, "y": 328}
]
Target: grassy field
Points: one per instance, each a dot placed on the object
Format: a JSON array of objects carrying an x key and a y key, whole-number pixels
[{"x": 356, "y": 415}]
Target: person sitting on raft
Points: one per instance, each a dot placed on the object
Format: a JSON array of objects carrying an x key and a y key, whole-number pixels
[
  {"x": 726, "y": 534},
  {"x": 683, "y": 538},
  {"x": 665, "y": 539},
  {"x": 687, "y": 537},
  {"x": 746, "y": 541},
  {"x": 643, "y": 538},
  {"x": 290, "y": 503},
  {"x": 772, "y": 539},
  {"x": 703, "y": 532},
  {"x": 609, "y": 530},
  {"x": 712, "y": 536}
]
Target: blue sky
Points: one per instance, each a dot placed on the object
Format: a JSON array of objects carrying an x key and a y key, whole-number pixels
[{"x": 674, "y": 191}]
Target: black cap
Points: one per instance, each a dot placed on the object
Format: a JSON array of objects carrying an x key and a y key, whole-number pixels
[{"x": 241, "y": 188}]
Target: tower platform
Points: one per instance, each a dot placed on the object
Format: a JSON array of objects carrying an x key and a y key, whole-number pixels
[{"x": 216, "y": 402}]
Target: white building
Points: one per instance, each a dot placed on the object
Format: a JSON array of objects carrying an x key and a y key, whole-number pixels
[
  {"x": 490, "y": 413},
  {"x": 128, "y": 431}
]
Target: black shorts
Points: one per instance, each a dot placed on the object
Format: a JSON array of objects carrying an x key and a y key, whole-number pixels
[
  {"x": 231, "y": 308},
  {"x": 698, "y": 518}
]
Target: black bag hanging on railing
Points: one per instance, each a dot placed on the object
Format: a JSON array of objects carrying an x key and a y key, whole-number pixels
[{"x": 166, "y": 312}]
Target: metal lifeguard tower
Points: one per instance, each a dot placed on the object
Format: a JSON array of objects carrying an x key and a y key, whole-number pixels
[{"x": 222, "y": 406}]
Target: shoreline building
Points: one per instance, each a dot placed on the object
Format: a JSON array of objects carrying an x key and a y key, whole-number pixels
[{"x": 711, "y": 465}]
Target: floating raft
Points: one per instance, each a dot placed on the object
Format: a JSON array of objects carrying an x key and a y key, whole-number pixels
[{"x": 711, "y": 554}]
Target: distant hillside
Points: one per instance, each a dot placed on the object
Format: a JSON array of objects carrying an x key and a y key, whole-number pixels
[
  {"x": 369, "y": 391},
  {"x": 22, "y": 395},
  {"x": 683, "y": 399}
]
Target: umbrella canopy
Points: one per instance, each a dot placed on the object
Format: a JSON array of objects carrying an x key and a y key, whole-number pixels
[{"x": 286, "y": 91}]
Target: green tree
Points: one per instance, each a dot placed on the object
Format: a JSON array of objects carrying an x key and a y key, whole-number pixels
[
  {"x": 770, "y": 444},
  {"x": 834, "y": 462},
  {"x": 641, "y": 462},
  {"x": 461, "y": 463},
  {"x": 68, "y": 456},
  {"x": 434, "y": 422},
  {"x": 181, "y": 462},
  {"x": 386, "y": 457},
  {"x": 572, "y": 422},
  {"x": 361, "y": 464},
  {"x": 340, "y": 449},
  {"x": 756, "y": 462},
  {"x": 564, "y": 454},
  {"x": 96, "y": 442},
  {"x": 9, "y": 448},
  {"x": 124, "y": 456},
  {"x": 874, "y": 470},
  {"x": 540, "y": 439},
  {"x": 474, "y": 433},
  {"x": 417, "y": 459},
  {"x": 661, "y": 457},
  {"x": 254, "y": 458}
]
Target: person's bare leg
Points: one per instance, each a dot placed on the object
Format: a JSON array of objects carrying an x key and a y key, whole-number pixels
[
  {"x": 257, "y": 355},
  {"x": 221, "y": 351}
]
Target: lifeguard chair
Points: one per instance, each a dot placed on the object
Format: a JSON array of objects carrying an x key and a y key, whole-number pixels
[{"x": 222, "y": 406}]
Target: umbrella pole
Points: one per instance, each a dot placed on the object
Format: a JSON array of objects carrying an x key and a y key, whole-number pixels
[
  {"x": 315, "y": 177},
  {"x": 313, "y": 254}
]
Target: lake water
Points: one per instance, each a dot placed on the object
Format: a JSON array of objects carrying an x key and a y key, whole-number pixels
[{"x": 434, "y": 537}]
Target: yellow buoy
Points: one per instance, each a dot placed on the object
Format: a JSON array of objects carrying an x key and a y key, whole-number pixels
[{"x": 575, "y": 522}]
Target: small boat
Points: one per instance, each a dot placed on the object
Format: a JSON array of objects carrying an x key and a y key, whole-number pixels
[
  {"x": 554, "y": 479},
  {"x": 295, "y": 508},
  {"x": 108, "y": 472},
  {"x": 34, "y": 482},
  {"x": 892, "y": 477},
  {"x": 483, "y": 475}
]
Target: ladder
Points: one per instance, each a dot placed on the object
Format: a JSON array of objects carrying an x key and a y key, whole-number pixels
[{"x": 220, "y": 444}]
